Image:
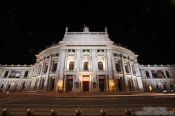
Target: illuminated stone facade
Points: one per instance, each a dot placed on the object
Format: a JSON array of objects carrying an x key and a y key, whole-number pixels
[{"x": 83, "y": 62}]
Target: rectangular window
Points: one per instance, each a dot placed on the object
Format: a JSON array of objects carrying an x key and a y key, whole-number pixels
[{"x": 69, "y": 50}]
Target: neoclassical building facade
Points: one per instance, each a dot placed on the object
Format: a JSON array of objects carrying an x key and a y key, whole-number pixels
[{"x": 86, "y": 62}]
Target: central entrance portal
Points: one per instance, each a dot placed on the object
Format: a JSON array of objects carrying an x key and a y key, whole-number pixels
[
  {"x": 69, "y": 85},
  {"x": 69, "y": 82},
  {"x": 102, "y": 85},
  {"x": 85, "y": 82},
  {"x": 85, "y": 86}
]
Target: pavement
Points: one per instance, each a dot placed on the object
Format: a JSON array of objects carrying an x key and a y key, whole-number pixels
[
  {"x": 90, "y": 104},
  {"x": 69, "y": 94}
]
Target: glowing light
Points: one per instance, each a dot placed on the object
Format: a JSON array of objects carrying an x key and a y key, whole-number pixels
[
  {"x": 60, "y": 84},
  {"x": 150, "y": 88}
]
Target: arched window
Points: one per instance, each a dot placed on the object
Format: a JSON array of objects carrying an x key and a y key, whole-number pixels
[
  {"x": 100, "y": 65},
  {"x": 159, "y": 73},
  {"x": 6, "y": 74},
  {"x": 118, "y": 67},
  {"x": 26, "y": 74},
  {"x": 45, "y": 68},
  {"x": 71, "y": 65},
  {"x": 86, "y": 65},
  {"x": 167, "y": 74},
  {"x": 147, "y": 74},
  {"x": 54, "y": 67}
]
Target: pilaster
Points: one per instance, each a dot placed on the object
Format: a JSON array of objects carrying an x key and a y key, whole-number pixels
[
  {"x": 77, "y": 69},
  {"x": 60, "y": 80},
  {"x": 125, "y": 82},
  {"x": 110, "y": 82},
  {"x": 46, "y": 82},
  {"x": 132, "y": 76},
  {"x": 94, "y": 69}
]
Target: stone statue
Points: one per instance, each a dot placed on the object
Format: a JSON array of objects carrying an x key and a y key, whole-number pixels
[
  {"x": 66, "y": 29},
  {"x": 86, "y": 29},
  {"x": 106, "y": 30}
]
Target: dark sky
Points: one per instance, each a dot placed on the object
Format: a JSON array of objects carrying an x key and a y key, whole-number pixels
[{"x": 145, "y": 26}]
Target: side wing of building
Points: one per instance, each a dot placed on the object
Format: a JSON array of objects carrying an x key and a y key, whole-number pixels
[
  {"x": 16, "y": 77},
  {"x": 158, "y": 77}
]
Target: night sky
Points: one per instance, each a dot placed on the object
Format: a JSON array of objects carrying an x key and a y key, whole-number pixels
[{"x": 147, "y": 27}]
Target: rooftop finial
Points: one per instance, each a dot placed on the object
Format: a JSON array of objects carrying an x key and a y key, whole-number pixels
[
  {"x": 106, "y": 30},
  {"x": 66, "y": 30},
  {"x": 86, "y": 29}
]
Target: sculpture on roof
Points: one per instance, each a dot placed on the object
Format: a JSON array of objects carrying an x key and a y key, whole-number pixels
[
  {"x": 86, "y": 29},
  {"x": 66, "y": 30},
  {"x": 106, "y": 30}
]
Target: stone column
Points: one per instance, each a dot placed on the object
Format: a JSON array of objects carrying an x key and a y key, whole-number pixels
[
  {"x": 60, "y": 83},
  {"x": 77, "y": 69},
  {"x": 110, "y": 82},
  {"x": 40, "y": 76},
  {"x": 94, "y": 69},
  {"x": 132, "y": 76},
  {"x": 113, "y": 73},
  {"x": 138, "y": 76},
  {"x": 46, "y": 82},
  {"x": 125, "y": 82}
]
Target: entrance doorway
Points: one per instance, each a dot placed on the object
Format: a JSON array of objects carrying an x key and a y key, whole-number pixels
[
  {"x": 52, "y": 84},
  {"x": 102, "y": 85},
  {"x": 119, "y": 84},
  {"x": 85, "y": 86},
  {"x": 69, "y": 85},
  {"x": 85, "y": 79}
]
